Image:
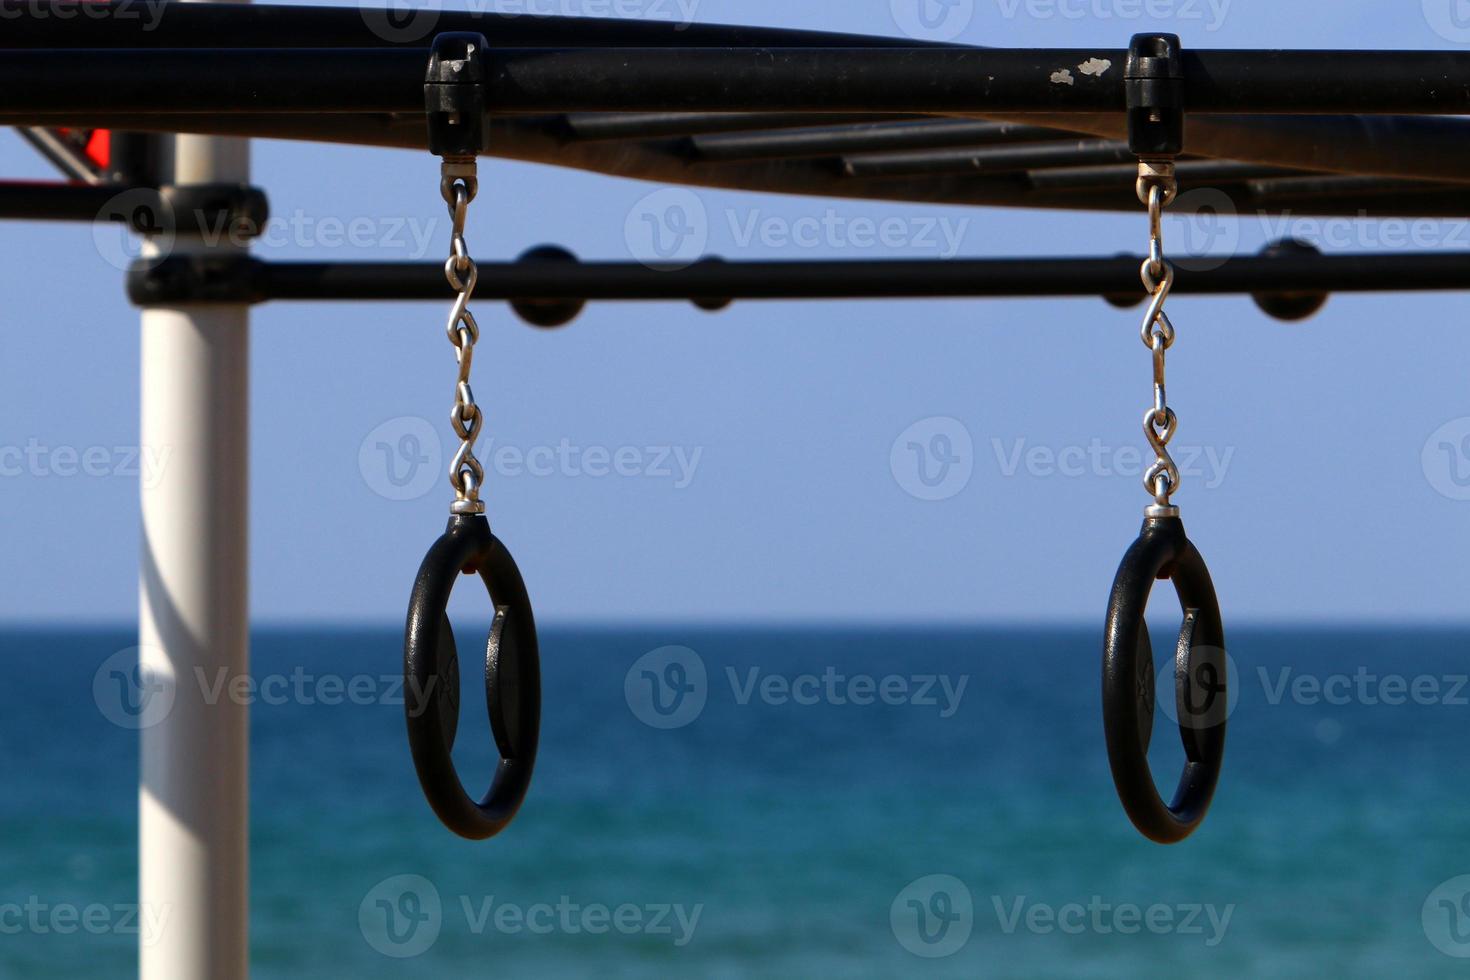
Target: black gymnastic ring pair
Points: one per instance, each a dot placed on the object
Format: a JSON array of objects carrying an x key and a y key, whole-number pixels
[
  {"x": 1162, "y": 551},
  {"x": 513, "y": 680},
  {"x": 431, "y": 679}
]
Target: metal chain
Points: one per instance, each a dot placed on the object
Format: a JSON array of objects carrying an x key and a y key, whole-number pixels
[
  {"x": 1156, "y": 189},
  {"x": 457, "y": 185}
]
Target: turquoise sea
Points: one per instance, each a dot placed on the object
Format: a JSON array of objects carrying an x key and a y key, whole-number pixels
[{"x": 788, "y": 828}]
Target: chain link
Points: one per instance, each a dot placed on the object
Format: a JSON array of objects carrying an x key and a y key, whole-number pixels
[
  {"x": 1156, "y": 188},
  {"x": 457, "y": 185}
]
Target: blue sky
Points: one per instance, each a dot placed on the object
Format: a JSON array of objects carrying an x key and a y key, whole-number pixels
[{"x": 654, "y": 462}]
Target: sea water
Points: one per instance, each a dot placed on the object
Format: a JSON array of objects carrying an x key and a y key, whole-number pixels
[{"x": 720, "y": 802}]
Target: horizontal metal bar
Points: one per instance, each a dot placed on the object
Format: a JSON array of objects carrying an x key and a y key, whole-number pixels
[
  {"x": 384, "y": 23},
  {"x": 991, "y": 160},
  {"x": 658, "y": 125},
  {"x": 51, "y": 201},
  {"x": 1191, "y": 174},
  {"x": 234, "y": 80},
  {"x": 715, "y": 79},
  {"x": 715, "y": 282},
  {"x": 891, "y": 137}
]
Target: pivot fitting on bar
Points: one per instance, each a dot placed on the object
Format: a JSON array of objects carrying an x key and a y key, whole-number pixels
[
  {"x": 1153, "y": 83},
  {"x": 454, "y": 96}
]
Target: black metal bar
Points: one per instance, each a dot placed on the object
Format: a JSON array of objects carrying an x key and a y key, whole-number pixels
[
  {"x": 138, "y": 24},
  {"x": 1287, "y": 272},
  {"x": 892, "y": 137},
  {"x": 1191, "y": 173},
  {"x": 1302, "y": 187},
  {"x": 224, "y": 80},
  {"x": 659, "y": 125},
  {"x": 990, "y": 160},
  {"x": 622, "y": 79},
  {"x": 49, "y": 201}
]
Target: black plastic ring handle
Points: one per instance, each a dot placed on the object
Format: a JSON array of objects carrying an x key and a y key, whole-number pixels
[
  {"x": 1162, "y": 551},
  {"x": 512, "y": 679}
]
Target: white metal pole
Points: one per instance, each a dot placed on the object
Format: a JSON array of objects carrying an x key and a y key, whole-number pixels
[{"x": 193, "y": 624}]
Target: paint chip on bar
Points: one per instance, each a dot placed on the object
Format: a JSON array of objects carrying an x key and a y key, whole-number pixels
[
  {"x": 1063, "y": 77},
  {"x": 1095, "y": 66}
]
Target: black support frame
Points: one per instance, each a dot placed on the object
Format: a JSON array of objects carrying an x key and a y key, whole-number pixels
[{"x": 1313, "y": 132}]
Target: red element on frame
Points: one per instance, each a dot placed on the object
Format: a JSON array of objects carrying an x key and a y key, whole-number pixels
[{"x": 99, "y": 148}]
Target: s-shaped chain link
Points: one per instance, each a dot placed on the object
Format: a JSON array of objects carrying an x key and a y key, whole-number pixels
[
  {"x": 458, "y": 184},
  {"x": 1157, "y": 187}
]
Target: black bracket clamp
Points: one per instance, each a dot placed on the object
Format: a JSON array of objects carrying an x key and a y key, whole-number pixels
[
  {"x": 1153, "y": 83},
  {"x": 454, "y": 96}
]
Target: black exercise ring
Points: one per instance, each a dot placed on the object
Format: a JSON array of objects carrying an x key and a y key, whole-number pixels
[
  {"x": 512, "y": 679},
  {"x": 1162, "y": 551}
]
